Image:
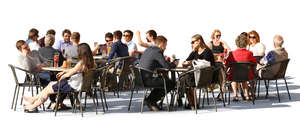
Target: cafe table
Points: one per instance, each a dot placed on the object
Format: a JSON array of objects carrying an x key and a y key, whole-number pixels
[
  {"x": 54, "y": 69},
  {"x": 173, "y": 72}
]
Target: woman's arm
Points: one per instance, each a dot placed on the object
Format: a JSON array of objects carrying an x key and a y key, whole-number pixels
[{"x": 69, "y": 73}]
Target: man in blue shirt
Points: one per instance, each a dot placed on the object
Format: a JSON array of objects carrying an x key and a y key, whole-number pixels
[
  {"x": 62, "y": 44},
  {"x": 118, "y": 48}
]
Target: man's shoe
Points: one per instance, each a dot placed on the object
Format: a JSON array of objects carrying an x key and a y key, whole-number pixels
[
  {"x": 35, "y": 110},
  {"x": 62, "y": 106},
  {"x": 152, "y": 107}
]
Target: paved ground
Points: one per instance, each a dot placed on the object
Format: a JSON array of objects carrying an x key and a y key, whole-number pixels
[{"x": 265, "y": 111}]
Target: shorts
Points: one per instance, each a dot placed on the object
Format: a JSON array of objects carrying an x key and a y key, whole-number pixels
[{"x": 64, "y": 86}]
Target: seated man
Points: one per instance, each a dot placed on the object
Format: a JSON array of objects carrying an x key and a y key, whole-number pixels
[
  {"x": 277, "y": 54},
  {"x": 152, "y": 59},
  {"x": 240, "y": 54},
  {"x": 33, "y": 61},
  {"x": 48, "y": 51}
]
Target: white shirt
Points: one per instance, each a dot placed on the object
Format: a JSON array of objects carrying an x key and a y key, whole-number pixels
[
  {"x": 258, "y": 48},
  {"x": 34, "y": 46},
  {"x": 131, "y": 46}
]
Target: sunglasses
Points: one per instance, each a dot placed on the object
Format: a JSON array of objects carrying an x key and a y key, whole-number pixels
[
  {"x": 252, "y": 37},
  {"x": 108, "y": 40},
  {"x": 218, "y": 36},
  {"x": 193, "y": 42},
  {"x": 126, "y": 35}
]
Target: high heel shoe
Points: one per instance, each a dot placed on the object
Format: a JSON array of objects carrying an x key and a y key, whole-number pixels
[{"x": 35, "y": 110}]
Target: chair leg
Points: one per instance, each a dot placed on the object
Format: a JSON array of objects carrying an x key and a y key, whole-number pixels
[
  {"x": 80, "y": 104},
  {"x": 277, "y": 91},
  {"x": 287, "y": 88},
  {"x": 203, "y": 98},
  {"x": 57, "y": 102},
  {"x": 104, "y": 97},
  {"x": 166, "y": 95},
  {"x": 207, "y": 98},
  {"x": 221, "y": 92},
  {"x": 95, "y": 103},
  {"x": 85, "y": 97},
  {"x": 253, "y": 91},
  {"x": 213, "y": 95},
  {"x": 22, "y": 95},
  {"x": 130, "y": 99},
  {"x": 228, "y": 95},
  {"x": 16, "y": 101},
  {"x": 258, "y": 87},
  {"x": 199, "y": 97},
  {"x": 142, "y": 106},
  {"x": 267, "y": 88},
  {"x": 102, "y": 100},
  {"x": 13, "y": 101}
]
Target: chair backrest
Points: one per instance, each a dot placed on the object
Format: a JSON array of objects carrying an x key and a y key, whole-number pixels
[
  {"x": 282, "y": 68},
  {"x": 126, "y": 62},
  {"x": 88, "y": 80},
  {"x": 206, "y": 77},
  {"x": 137, "y": 77},
  {"x": 241, "y": 71},
  {"x": 12, "y": 67}
]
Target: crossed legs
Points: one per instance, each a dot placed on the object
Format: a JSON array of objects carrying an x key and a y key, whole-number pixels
[{"x": 40, "y": 98}]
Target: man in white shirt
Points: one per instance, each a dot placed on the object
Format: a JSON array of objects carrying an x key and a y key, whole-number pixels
[{"x": 132, "y": 48}]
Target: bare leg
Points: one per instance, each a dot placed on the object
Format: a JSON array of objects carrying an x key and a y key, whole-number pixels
[
  {"x": 234, "y": 87},
  {"x": 246, "y": 88},
  {"x": 31, "y": 100},
  {"x": 43, "y": 96}
]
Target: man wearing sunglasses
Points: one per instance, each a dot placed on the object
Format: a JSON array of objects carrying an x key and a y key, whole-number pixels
[{"x": 108, "y": 43}]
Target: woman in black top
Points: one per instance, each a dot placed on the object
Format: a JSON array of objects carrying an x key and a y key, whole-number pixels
[{"x": 200, "y": 51}]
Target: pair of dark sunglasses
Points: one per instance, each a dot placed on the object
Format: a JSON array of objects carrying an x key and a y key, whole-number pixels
[
  {"x": 218, "y": 36},
  {"x": 126, "y": 35},
  {"x": 108, "y": 40},
  {"x": 252, "y": 37}
]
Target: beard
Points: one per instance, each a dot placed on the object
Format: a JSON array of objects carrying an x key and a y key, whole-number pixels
[{"x": 148, "y": 40}]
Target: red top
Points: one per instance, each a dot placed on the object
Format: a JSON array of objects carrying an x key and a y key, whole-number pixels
[{"x": 240, "y": 54}]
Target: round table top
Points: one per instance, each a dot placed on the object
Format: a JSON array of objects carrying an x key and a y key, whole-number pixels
[{"x": 54, "y": 68}]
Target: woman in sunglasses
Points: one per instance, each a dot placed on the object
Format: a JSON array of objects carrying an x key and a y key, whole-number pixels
[
  {"x": 255, "y": 46},
  {"x": 202, "y": 52}
]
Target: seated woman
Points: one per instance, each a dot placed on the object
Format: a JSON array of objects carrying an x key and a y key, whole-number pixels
[
  {"x": 200, "y": 51},
  {"x": 277, "y": 54},
  {"x": 257, "y": 48},
  {"x": 86, "y": 62},
  {"x": 240, "y": 54}
]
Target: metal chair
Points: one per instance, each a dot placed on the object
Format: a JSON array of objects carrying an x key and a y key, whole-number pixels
[
  {"x": 204, "y": 82},
  {"x": 124, "y": 71},
  {"x": 138, "y": 83},
  {"x": 29, "y": 82},
  {"x": 241, "y": 71},
  {"x": 282, "y": 65},
  {"x": 88, "y": 80}
]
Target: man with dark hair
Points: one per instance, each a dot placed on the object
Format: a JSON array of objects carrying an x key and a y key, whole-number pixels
[
  {"x": 41, "y": 42},
  {"x": 150, "y": 36},
  {"x": 118, "y": 49},
  {"x": 72, "y": 50},
  {"x": 103, "y": 47},
  {"x": 132, "y": 48},
  {"x": 62, "y": 44},
  {"x": 152, "y": 59},
  {"x": 32, "y": 40}
]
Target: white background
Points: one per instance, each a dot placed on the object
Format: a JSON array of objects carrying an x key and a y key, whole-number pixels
[{"x": 176, "y": 20}]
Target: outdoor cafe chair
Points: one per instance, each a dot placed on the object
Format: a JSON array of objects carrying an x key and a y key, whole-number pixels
[{"x": 282, "y": 65}]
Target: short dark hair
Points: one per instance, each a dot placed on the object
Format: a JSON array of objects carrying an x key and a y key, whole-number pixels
[
  {"x": 160, "y": 39},
  {"x": 32, "y": 33},
  {"x": 118, "y": 34},
  {"x": 109, "y": 35},
  {"x": 19, "y": 44},
  {"x": 152, "y": 33},
  {"x": 129, "y": 31},
  {"x": 66, "y": 31},
  {"x": 51, "y": 31}
]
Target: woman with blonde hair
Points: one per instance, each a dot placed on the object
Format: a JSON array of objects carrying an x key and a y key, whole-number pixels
[{"x": 86, "y": 62}]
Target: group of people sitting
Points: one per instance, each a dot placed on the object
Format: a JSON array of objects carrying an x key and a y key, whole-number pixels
[{"x": 34, "y": 55}]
